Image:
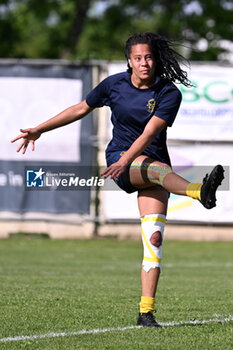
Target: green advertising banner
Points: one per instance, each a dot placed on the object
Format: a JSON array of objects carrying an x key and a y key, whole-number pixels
[{"x": 206, "y": 112}]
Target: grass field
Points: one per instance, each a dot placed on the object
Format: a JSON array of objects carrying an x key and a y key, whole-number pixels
[{"x": 67, "y": 286}]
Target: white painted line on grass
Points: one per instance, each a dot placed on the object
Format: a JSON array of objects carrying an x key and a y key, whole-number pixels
[
  {"x": 196, "y": 265},
  {"x": 119, "y": 329},
  {"x": 197, "y": 322}
]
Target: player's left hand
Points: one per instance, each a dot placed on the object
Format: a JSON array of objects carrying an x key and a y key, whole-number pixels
[{"x": 114, "y": 170}]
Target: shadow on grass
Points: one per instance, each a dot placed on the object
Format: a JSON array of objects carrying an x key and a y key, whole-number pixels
[{"x": 26, "y": 235}]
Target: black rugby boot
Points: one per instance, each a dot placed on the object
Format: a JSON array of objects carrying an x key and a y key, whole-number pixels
[
  {"x": 210, "y": 185},
  {"x": 147, "y": 320}
]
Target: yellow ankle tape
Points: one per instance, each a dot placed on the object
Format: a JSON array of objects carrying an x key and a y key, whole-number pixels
[
  {"x": 147, "y": 304},
  {"x": 193, "y": 190}
]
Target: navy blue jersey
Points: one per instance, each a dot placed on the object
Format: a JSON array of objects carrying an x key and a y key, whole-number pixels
[{"x": 132, "y": 108}]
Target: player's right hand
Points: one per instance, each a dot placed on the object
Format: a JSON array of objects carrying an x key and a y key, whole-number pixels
[{"x": 29, "y": 136}]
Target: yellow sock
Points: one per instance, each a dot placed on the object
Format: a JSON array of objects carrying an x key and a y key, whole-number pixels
[
  {"x": 147, "y": 304},
  {"x": 193, "y": 190}
]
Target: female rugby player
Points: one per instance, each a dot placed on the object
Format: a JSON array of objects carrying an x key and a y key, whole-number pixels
[{"x": 144, "y": 101}]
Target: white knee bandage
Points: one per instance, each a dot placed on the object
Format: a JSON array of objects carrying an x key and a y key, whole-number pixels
[{"x": 152, "y": 254}]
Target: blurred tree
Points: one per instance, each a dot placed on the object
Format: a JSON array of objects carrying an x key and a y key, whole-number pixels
[
  {"x": 44, "y": 28},
  {"x": 97, "y": 29},
  {"x": 204, "y": 27}
]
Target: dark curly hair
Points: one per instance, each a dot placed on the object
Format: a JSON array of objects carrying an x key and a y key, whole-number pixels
[{"x": 165, "y": 56}]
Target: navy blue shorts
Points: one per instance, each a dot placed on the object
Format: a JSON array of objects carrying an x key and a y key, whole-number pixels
[{"x": 123, "y": 181}]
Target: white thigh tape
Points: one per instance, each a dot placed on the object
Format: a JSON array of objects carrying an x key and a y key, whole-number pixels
[
  {"x": 152, "y": 254},
  {"x": 152, "y": 168},
  {"x": 163, "y": 170}
]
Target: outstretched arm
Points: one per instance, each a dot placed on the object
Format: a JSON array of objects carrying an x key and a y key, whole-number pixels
[
  {"x": 153, "y": 128},
  {"x": 68, "y": 116}
]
